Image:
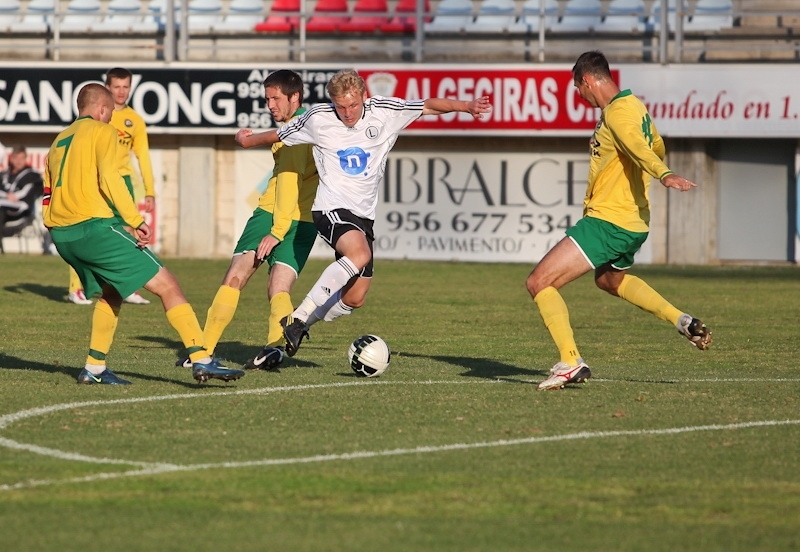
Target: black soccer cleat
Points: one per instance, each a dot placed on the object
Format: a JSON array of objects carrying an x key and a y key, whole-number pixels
[
  {"x": 268, "y": 359},
  {"x": 294, "y": 330}
]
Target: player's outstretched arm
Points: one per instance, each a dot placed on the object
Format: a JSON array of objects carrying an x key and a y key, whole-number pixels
[
  {"x": 439, "y": 106},
  {"x": 678, "y": 182},
  {"x": 246, "y": 139}
]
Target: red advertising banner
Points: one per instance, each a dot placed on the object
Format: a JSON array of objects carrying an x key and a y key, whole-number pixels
[{"x": 522, "y": 100}]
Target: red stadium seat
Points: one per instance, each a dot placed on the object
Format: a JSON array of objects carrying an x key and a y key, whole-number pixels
[
  {"x": 327, "y": 23},
  {"x": 366, "y": 23},
  {"x": 277, "y": 23},
  {"x": 405, "y": 23}
]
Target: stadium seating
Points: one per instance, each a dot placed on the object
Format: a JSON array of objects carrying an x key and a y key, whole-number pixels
[
  {"x": 654, "y": 21},
  {"x": 327, "y": 23},
  {"x": 243, "y": 15},
  {"x": 203, "y": 15},
  {"x": 451, "y": 16},
  {"x": 494, "y": 16},
  {"x": 277, "y": 21},
  {"x": 10, "y": 15},
  {"x": 624, "y": 16},
  {"x": 80, "y": 16},
  {"x": 38, "y": 17},
  {"x": 405, "y": 17},
  {"x": 579, "y": 16},
  {"x": 121, "y": 16},
  {"x": 710, "y": 15},
  {"x": 155, "y": 19},
  {"x": 528, "y": 21},
  {"x": 366, "y": 23}
]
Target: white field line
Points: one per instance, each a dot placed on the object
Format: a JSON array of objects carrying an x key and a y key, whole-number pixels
[{"x": 158, "y": 468}]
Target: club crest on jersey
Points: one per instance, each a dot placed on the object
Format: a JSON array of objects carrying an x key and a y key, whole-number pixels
[
  {"x": 371, "y": 132},
  {"x": 353, "y": 160},
  {"x": 128, "y": 123}
]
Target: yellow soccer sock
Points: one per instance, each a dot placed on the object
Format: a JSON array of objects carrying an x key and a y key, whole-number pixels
[
  {"x": 184, "y": 320},
  {"x": 279, "y": 306},
  {"x": 104, "y": 325},
  {"x": 220, "y": 314},
  {"x": 636, "y": 291},
  {"x": 556, "y": 319},
  {"x": 74, "y": 281}
]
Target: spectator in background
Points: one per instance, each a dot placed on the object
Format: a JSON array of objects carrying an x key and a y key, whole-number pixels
[{"x": 20, "y": 185}]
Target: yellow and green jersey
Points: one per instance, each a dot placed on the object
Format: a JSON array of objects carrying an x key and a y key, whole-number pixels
[
  {"x": 292, "y": 187},
  {"x": 82, "y": 177},
  {"x": 132, "y": 136},
  {"x": 626, "y": 150}
]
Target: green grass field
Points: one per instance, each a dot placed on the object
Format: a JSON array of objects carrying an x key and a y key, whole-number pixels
[{"x": 666, "y": 449}]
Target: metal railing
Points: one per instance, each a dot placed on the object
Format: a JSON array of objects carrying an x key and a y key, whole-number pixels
[{"x": 666, "y": 37}]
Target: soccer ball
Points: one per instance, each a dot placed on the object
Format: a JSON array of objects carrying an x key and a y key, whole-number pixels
[{"x": 369, "y": 356}]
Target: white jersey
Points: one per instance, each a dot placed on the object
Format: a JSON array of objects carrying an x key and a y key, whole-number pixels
[{"x": 351, "y": 160}]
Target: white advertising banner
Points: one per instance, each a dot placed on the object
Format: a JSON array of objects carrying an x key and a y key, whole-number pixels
[
  {"x": 718, "y": 101},
  {"x": 489, "y": 207}
]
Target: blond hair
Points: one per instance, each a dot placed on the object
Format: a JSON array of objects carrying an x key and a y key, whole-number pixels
[{"x": 344, "y": 82}]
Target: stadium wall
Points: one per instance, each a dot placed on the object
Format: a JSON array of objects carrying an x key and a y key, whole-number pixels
[{"x": 502, "y": 189}]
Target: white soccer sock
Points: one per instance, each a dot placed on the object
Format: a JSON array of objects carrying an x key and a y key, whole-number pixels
[
  {"x": 305, "y": 311},
  {"x": 337, "y": 310},
  {"x": 331, "y": 310},
  {"x": 329, "y": 284}
]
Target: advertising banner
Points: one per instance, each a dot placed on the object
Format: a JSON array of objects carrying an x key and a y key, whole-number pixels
[{"x": 685, "y": 101}]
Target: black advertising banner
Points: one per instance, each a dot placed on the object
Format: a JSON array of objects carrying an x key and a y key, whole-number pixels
[{"x": 187, "y": 99}]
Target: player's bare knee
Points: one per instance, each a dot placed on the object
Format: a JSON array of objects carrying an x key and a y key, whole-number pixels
[
  {"x": 533, "y": 285},
  {"x": 609, "y": 287}
]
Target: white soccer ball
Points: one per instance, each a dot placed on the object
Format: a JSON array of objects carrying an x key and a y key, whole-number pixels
[{"x": 369, "y": 356}]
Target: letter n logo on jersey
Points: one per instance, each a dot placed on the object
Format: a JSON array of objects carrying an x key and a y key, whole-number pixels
[{"x": 353, "y": 160}]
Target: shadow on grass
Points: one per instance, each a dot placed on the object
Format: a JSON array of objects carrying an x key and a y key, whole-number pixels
[
  {"x": 15, "y": 363},
  {"x": 235, "y": 351},
  {"x": 482, "y": 367},
  {"x": 54, "y": 293},
  {"x": 8, "y": 362}
]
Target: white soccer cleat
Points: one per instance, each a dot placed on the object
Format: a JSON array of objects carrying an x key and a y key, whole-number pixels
[
  {"x": 562, "y": 374},
  {"x": 136, "y": 299},
  {"x": 78, "y": 298}
]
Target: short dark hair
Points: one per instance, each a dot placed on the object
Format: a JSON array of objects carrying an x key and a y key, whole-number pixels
[
  {"x": 591, "y": 63},
  {"x": 118, "y": 73},
  {"x": 286, "y": 81},
  {"x": 19, "y": 148}
]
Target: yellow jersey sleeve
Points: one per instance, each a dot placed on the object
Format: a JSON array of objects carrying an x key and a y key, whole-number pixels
[
  {"x": 82, "y": 177},
  {"x": 287, "y": 189},
  {"x": 637, "y": 138},
  {"x": 291, "y": 188},
  {"x": 132, "y": 137}
]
